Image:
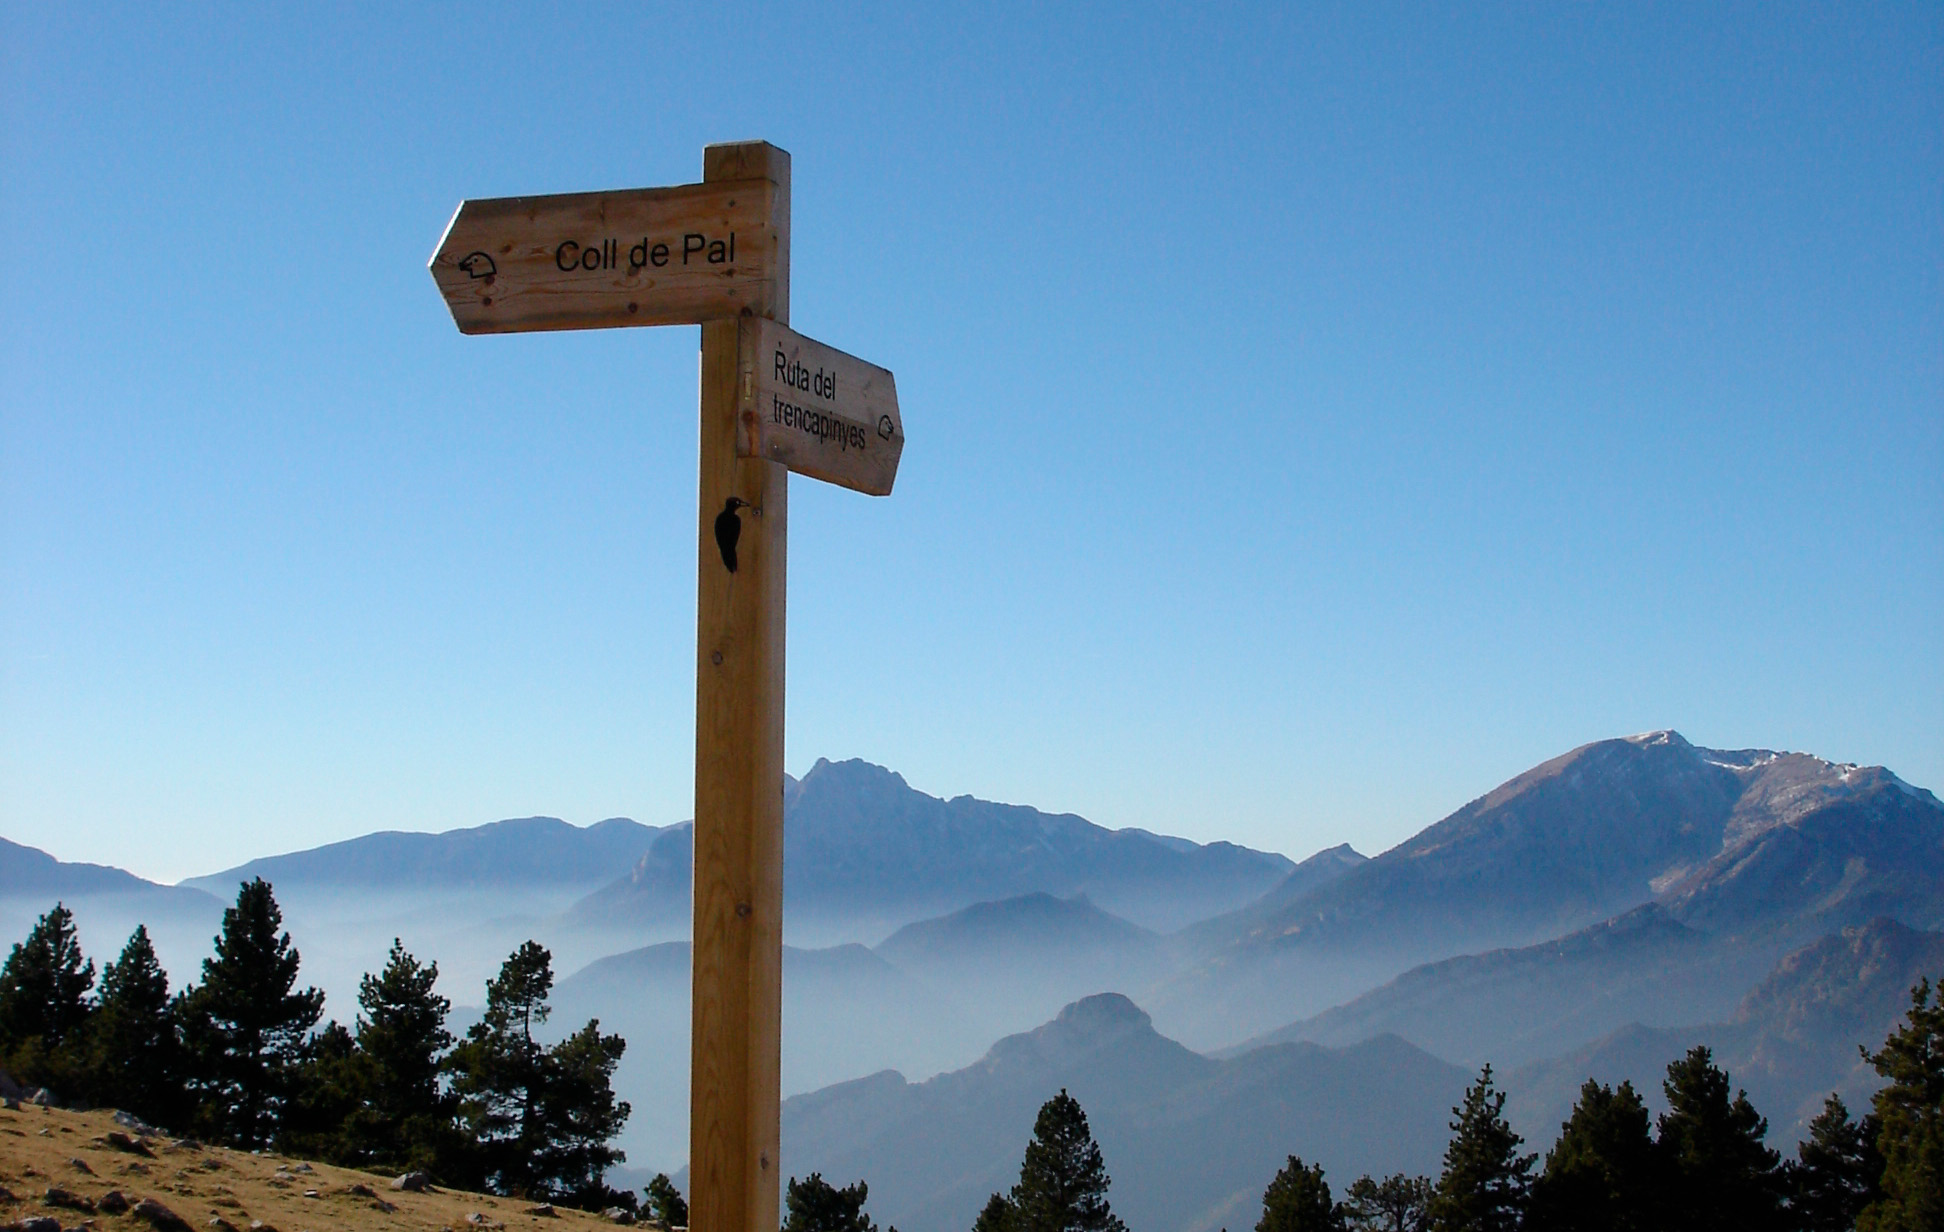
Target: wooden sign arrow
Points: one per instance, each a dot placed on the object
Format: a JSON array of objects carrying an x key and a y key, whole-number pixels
[
  {"x": 816, "y": 410},
  {"x": 643, "y": 256}
]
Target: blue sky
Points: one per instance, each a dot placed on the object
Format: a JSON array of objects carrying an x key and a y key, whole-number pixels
[{"x": 1315, "y": 415}]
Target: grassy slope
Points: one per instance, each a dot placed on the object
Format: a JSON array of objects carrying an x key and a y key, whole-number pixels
[{"x": 39, "y": 1147}]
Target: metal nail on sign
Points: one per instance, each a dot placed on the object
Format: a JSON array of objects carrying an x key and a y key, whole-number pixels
[
  {"x": 816, "y": 410},
  {"x": 641, "y": 256}
]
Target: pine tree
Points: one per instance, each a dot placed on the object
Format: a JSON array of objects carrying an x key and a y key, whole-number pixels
[
  {"x": 581, "y": 1116},
  {"x": 1836, "y": 1170},
  {"x": 134, "y": 1061},
  {"x": 403, "y": 1119},
  {"x": 1063, "y": 1180},
  {"x": 1602, "y": 1175},
  {"x": 498, "y": 1071},
  {"x": 44, "y": 1003},
  {"x": 665, "y": 1202},
  {"x": 327, "y": 1091},
  {"x": 1721, "y": 1178},
  {"x": 1298, "y": 1199},
  {"x": 1398, "y": 1203},
  {"x": 1486, "y": 1181},
  {"x": 996, "y": 1216},
  {"x": 1910, "y": 1114},
  {"x": 542, "y": 1118},
  {"x": 244, "y": 1026},
  {"x": 815, "y": 1205}
]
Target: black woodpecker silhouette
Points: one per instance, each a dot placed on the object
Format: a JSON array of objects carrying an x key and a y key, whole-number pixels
[{"x": 728, "y": 529}]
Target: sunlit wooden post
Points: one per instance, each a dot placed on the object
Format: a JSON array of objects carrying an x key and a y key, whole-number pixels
[{"x": 737, "y": 1018}]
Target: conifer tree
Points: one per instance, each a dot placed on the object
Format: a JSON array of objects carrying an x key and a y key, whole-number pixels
[
  {"x": 542, "y": 1118},
  {"x": 665, "y": 1202},
  {"x": 996, "y": 1215},
  {"x": 44, "y": 1003},
  {"x": 1721, "y": 1178},
  {"x": 498, "y": 1070},
  {"x": 134, "y": 1061},
  {"x": 1910, "y": 1114},
  {"x": 815, "y": 1205},
  {"x": 1298, "y": 1199},
  {"x": 1602, "y": 1175},
  {"x": 1063, "y": 1179},
  {"x": 1398, "y": 1203},
  {"x": 244, "y": 1026},
  {"x": 327, "y": 1092},
  {"x": 402, "y": 1117},
  {"x": 581, "y": 1116},
  {"x": 1836, "y": 1170},
  {"x": 1485, "y": 1183}
]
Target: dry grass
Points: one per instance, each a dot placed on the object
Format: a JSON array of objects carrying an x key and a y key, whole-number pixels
[{"x": 210, "y": 1187}]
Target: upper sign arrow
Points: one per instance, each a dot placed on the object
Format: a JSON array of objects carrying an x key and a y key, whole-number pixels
[{"x": 642, "y": 256}]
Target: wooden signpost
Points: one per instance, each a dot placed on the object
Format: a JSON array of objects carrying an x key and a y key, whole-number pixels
[
  {"x": 816, "y": 410},
  {"x": 718, "y": 254}
]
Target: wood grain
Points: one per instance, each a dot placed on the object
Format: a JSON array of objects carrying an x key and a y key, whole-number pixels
[
  {"x": 640, "y": 256},
  {"x": 817, "y": 410},
  {"x": 736, "y": 1060}
]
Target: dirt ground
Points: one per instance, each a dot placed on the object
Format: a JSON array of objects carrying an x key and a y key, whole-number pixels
[{"x": 219, "y": 1190}]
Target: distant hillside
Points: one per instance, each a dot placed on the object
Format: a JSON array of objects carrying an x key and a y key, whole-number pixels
[
  {"x": 846, "y": 1012},
  {"x": 865, "y": 853},
  {"x": 1515, "y": 1005},
  {"x": 1774, "y": 848},
  {"x": 526, "y": 851},
  {"x": 1190, "y": 1142},
  {"x": 30, "y": 873},
  {"x": 108, "y": 904},
  {"x": 1015, "y": 932},
  {"x": 1791, "y": 1041}
]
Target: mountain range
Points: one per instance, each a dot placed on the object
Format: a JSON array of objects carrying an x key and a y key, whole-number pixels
[
  {"x": 1189, "y": 1140},
  {"x": 1595, "y": 915},
  {"x": 1759, "y": 848},
  {"x": 864, "y": 853}
]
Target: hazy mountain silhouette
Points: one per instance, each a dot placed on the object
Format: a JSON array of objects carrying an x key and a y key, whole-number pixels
[
  {"x": 28, "y": 872},
  {"x": 864, "y": 854},
  {"x": 1792, "y": 1039},
  {"x": 1189, "y": 1141},
  {"x": 517, "y": 853},
  {"x": 107, "y": 903},
  {"x": 1032, "y": 928},
  {"x": 846, "y": 1012},
  {"x": 1770, "y": 848}
]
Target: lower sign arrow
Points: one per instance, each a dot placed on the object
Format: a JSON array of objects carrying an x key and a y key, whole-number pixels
[{"x": 816, "y": 410}]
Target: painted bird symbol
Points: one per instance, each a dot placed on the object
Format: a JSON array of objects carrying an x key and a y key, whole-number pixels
[{"x": 728, "y": 529}]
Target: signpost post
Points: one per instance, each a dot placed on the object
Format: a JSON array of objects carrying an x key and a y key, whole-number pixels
[{"x": 718, "y": 254}]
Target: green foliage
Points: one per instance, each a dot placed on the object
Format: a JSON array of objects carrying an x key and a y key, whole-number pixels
[
  {"x": 244, "y": 1027},
  {"x": 1910, "y": 1114},
  {"x": 1720, "y": 1176},
  {"x": 581, "y": 1116},
  {"x": 1298, "y": 1199},
  {"x": 328, "y": 1087},
  {"x": 1062, "y": 1180},
  {"x": 996, "y": 1216},
  {"x": 1836, "y": 1170},
  {"x": 665, "y": 1202},
  {"x": 1603, "y": 1174},
  {"x": 541, "y": 1118},
  {"x": 1398, "y": 1203},
  {"x": 1486, "y": 1181},
  {"x": 815, "y": 1205},
  {"x": 401, "y": 1118},
  {"x": 44, "y": 1003},
  {"x": 134, "y": 1061}
]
